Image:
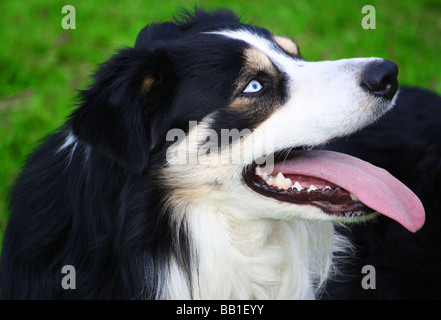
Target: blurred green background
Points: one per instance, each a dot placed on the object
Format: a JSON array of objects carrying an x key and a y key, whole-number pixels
[{"x": 42, "y": 65}]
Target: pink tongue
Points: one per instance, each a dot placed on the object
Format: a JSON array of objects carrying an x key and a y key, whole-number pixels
[{"x": 374, "y": 186}]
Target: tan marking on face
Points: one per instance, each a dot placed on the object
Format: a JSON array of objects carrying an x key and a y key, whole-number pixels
[
  {"x": 244, "y": 106},
  {"x": 147, "y": 83},
  {"x": 287, "y": 44},
  {"x": 257, "y": 60}
]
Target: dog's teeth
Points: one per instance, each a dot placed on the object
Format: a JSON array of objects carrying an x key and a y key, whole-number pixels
[
  {"x": 258, "y": 171},
  {"x": 278, "y": 180},
  {"x": 280, "y": 175},
  {"x": 281, "y": 182},
  {"x": 288, "y": 183},
  {"x": 297, "y": 186},
  {"x": 354, "y": 198},
  {"x": 270, "y": 180}
]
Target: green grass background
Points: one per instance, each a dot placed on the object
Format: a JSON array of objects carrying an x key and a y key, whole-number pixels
[{"x": 42, "y": 65}]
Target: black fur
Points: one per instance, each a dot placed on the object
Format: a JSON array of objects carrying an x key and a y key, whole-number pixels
[
  {"x": 407, "y": 143},
  {"x": 96, "y": 203}
]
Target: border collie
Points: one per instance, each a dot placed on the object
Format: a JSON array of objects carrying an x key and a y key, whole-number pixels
[{"x": 141, "y": 211}]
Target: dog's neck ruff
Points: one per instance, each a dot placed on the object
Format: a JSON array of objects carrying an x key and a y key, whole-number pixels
[{"x": 264, "y": 259}]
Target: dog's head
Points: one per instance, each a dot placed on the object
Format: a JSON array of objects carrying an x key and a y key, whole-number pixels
[{"x": 230, "y": 108}]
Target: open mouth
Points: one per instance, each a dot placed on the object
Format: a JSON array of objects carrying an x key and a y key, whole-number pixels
[
  {"x": 304, "y": 189},
  {"x": 338, "y": 184}
]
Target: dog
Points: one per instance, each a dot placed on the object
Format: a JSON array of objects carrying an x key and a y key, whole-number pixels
[{"x": 194, "y": 168}]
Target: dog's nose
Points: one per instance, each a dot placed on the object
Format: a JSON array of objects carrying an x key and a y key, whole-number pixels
[{"x": 380, "y": 78}]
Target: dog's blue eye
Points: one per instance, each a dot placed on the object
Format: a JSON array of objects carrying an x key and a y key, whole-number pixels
[{"x": 253, "y": 87}]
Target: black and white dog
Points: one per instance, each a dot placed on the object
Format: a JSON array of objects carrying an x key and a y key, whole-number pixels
[{"x": 191, "y": 169}]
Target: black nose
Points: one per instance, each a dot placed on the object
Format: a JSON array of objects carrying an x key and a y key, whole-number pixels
[{"x": 380, "y": 78}]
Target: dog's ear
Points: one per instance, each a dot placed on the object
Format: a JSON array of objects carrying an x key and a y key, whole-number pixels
[{"x": 124, "y": 113}]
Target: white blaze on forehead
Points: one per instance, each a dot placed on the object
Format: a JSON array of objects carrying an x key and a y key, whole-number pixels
[
  {"x": 278, "y": 57},
  {"x": 290, "y": 64},
  {"x": 286, "y": 44}
]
